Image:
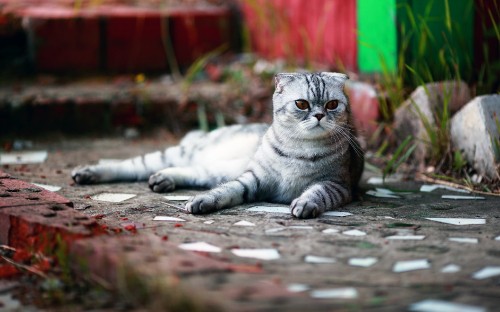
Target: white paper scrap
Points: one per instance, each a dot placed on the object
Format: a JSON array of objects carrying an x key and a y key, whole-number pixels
[
  {"x": 458, "y": 221},
  {"x": 271, "y": 209},
  {"x": 113, "y": 197},
  {"x": 296, "y": 287},
  {"x": 432, "y": 305},
  {"x": 275, "y": 230},
  {"x": 51, "y": 188},
  {"x": 381, "y": 195},
  {"x": 411, "y": 265},
  {"x": 330, "y": 231},
  {"x": 467, "y": 240},
  {"x": 167, "y": 218},
  {"x": 336, "y": 214},
  {"x": 497, "y": 238},
  {"x": 354, "y": 233},
  {"x": 23, "y": 158},
  {"x": 209, "y": 222},
  {"x": 406, "y": 237},
  {"x": 363, "y": 262},
  {"x": 262, "y": 254},
  {"x": 301, "y": 227},
  {"x": 380, "y": 180},
  {"x": 316, "y": 259},
  {"x": 432, "y": 187},
  {"x": 487, "y": 272},
  {"x": 177, "y": 197},
  {"x": 200, "y": 246},
  {"x": 335, "y": 293},
  {"x": 244, "y": 223},
  {"x": 451, "y": 268},
  {"x": 460, "y": 197}
]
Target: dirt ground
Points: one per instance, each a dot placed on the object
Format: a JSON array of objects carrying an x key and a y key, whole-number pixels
[{"x": 330, "y": 282}]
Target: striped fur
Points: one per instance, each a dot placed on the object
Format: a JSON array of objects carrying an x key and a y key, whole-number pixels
[
  {"x": 311, "y": 162},
  {"x": 308, "y": 158}
]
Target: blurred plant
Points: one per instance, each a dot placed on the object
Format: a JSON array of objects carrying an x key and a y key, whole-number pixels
[{"x": 400, "y": 156}]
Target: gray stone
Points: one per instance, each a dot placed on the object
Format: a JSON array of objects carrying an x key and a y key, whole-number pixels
[
  {"x": 474, "y": 131},
  {"x": 429, "y": 99}
]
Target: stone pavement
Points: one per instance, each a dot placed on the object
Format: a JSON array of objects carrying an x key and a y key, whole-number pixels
[{"x": 377, "y": 254}]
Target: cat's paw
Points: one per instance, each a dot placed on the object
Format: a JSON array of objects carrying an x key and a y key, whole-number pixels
[
  {"x": 85, "y": 175},
  {"x": 202, "y": 203},
  {"x": 304, "y": 209},
  {"x": 161, "y": 183}
]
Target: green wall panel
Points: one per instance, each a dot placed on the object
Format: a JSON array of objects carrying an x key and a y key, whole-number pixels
[{"x": 377, "y": 36}]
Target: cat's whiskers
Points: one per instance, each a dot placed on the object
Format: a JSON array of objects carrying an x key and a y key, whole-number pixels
[{"x": 347, "y": 133}]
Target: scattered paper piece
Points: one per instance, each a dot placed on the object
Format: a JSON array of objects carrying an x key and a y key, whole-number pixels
[
  {"x": 51, "y": 188},
  {"x": 451, "y": 268},
  {"x": 389, "y": 218},
  {"x": 497, "y": 238},
  {"x": 458, "y": 221},
  {"x": 300, "y": 227},
  {"x": 316, "y": 259},
  {"x": 487, "y": 272},
  {"x": 209, "y": 222},
  {"x": 275, "y": 230},
  {"x": 23, "y": 158},
  {"x": 381, "y": 195},
  {"x": 200, "y": 246},
  {"x": 432, "y": 305},
  {"x": 244, "y": 223},
  {"x": 336, "y": 214},
  {"x": 406, "y": 237},
  {"x": 335, "y": 293},
  {"x": 113, "y": 197},
  {"x": 354, "y": 233},
  {"x": 167, "y": 218},
  {"x": 381, "y": 180},
  {"x": 411, "y": 265},
  {"x": 467, "y": 240},
  {"x": 330, "y": 231},
  {"x": 296, "y": 288},
  {"x": 432, "y": 187},
  {"x": 363, "y": 262},
  {"x": 461, "y": 197},
  {"x": 271, "y": 209},
  {"x": 262, "y": 254},
  {"x": 177, "y": 197}
]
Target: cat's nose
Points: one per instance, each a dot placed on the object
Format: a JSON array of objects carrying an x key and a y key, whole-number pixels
[{"x": 319, "y": 116}]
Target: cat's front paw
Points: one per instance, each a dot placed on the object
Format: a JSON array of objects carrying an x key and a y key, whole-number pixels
[
  {"x": 304, "y": 209},
  {"x": 202, "y": 203},
  {"x": 85, "y": 175},
  {"x": 161, "y": 183}
]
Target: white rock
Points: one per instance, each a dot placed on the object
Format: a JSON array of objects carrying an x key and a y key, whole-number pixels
[
  {"x": 487, "y": 272},
  {"x": 335, "y": 293},
  {"x": 428, "y": 99},
  {"x": 363, "y": 262},
  {"x": 262, "y": 254},
  {"x": 411, "y": 265},
  {"x": 451, "y": 268},
  {"x": 474, "y": 131},
  {"x": 316, "y": 259}
]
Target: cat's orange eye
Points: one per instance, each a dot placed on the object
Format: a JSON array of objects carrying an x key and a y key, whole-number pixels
[
  {"x": 333, "y": 104},
  {"x": 302, "y": 104}
]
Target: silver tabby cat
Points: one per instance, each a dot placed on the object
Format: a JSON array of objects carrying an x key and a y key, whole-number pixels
[{"x": 309, "y": 157}]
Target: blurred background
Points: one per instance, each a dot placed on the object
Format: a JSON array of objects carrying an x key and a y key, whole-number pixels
[{"x": 128, "y": 67}]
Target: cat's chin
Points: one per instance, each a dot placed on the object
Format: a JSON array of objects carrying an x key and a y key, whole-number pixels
[{"x": 316, "y": 132}]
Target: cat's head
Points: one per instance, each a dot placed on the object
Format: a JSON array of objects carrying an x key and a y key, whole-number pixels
[{"x": 311, "y": 105}]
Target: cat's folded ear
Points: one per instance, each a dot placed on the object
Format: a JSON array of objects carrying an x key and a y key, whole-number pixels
[
  {"x": 337, "y": 76},
  {"x": 282, "y": 79}
]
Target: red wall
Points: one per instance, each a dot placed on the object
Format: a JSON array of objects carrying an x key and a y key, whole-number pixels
[{"x": 321, "y": 31}]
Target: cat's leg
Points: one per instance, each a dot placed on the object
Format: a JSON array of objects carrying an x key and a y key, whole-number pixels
[
  {"x": 320, "y": 197},
  {"x": 201, "y": 176},
  {"x": 243, "y": 189},
  {"x": 133, "y": 169}
]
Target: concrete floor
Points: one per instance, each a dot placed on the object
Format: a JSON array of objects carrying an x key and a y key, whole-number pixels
[{"x": 355, "y": 288}]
